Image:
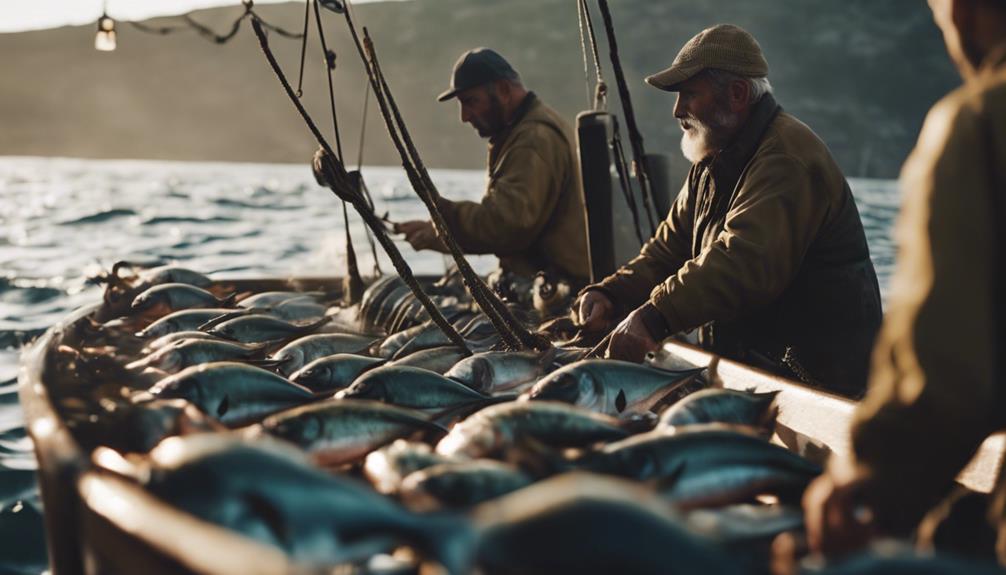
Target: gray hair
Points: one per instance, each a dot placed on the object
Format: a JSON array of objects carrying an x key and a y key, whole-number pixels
[{"x": 757, "y": 87}]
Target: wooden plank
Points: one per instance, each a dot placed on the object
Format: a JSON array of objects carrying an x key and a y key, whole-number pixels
[{"x": 814, "y": 422}]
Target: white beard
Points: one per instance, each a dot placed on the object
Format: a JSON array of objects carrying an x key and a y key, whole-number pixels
[{"x": 702, "y": 140}]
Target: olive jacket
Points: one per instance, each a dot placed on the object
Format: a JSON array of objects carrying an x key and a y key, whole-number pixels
[
  {"x": 937, "y": 386},
  {"x": 532, "y": 215},
  {"x": 765, "y": 251}
]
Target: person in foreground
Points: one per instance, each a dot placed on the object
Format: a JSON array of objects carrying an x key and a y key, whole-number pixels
[
  {"x": 763, "y": 249},
  {"x": 937, "y": 386},
  {"x": 532, "y": 215}
]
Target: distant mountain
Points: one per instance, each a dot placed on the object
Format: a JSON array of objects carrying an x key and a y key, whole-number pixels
[{"x": 861, "y": 73}]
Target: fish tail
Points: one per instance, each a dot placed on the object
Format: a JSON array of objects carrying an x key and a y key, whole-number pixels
[{"x": 230, "y": 300}]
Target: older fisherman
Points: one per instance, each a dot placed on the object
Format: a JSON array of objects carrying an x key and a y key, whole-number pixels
[
  {"x": 763, "y": 248},
  {"x": 937, "y": 388},
  {"x": 532, "y": 215}
]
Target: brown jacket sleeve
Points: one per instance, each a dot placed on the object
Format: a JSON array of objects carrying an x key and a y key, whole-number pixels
[
  {"x": 517, "y": 204},
  {"x": 932, "y": 397},
  {"x": 659, "y": 257},
  {"x": 777, "y": 212}
]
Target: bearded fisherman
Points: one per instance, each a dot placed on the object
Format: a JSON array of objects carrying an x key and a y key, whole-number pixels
[
  {"x": 763, "y": 250},
  {"x": 532, "y": 215}
]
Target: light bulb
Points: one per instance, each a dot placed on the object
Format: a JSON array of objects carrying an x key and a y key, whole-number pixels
[{"x": 104, "y": 41}]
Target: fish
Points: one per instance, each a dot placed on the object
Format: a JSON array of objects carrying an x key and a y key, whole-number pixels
[
  {"x": 304, "y": 308},
  {"x": 262, "y": 328},
  {"x": 708, "y": 467},
  {"x": 269, "y": 299},
  {"x": 337, "y": 431},
  {"x": 591, "y": 524},
  {"x": 436, "y": 359},
  {"x": 745, "y": 522},
  {"x": 462, "y": 484},
  {"x": 488, "y": 432},
  {"x": 177, "y": 337},
  {"x": 178, "y": 296},
  {"x": 184, "y": 320},
  {"x": 270, "y": 492},
  {"x": 609, "y": 386},
  {"x": 233, "y": 393},
  {"x": 723, "y": 406},
  {"x": 140, "y": 429},
  {"x": 186, "y": 353},
  {"x": 334, "y": 372},
  {"x": 503, "y": 371},
  {"x": 414, "y": 388},
  {"x": 304, "y": 350},
  {"x": 387, "y": 466},
  {"x": 174, "y": 274}
]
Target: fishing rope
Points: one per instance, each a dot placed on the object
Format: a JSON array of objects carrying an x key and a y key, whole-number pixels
[
  {"x": 303, "y": 47},
  {"x": 208, "y": 33},
  {"x": 623, "y": 179},
  {"x": 601, "y": 88},
  {"x": 473, "y": 284},
  {"x": 344, "y": 189},
  {"x": 513, "y": 332},
  {"x": 329, "y": 68},
  {"x": 639, "y": 164},
  {"x": 583, "y": 50},
  {"x": 359, "y": 169},
  {"x": 395, "y": 127}
]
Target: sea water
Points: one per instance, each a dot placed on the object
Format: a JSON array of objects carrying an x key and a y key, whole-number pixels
[{"x": 63, "y": 220}]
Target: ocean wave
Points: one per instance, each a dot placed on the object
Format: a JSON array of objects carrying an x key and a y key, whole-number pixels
[
  {"x": 102, "y": 216},
  {"x": 187, "y": 220},
  {"x": 16, "y": 338},
  {"x": 28, "y": 295}
]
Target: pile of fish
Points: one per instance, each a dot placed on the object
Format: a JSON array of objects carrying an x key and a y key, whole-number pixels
[{"x": 339, "y": 433}]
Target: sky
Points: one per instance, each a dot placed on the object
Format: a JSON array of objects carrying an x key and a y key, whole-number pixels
[{"x": 19, "y": 15}]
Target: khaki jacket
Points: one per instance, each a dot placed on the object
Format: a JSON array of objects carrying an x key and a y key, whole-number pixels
[
  {"x": 764, "y": 249},
  {"x": 937, "y": 387},
  {"x": 532, "y": 215}
]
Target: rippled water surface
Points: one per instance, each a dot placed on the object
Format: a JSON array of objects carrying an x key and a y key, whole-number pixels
[{"x": 62, "y": 220}]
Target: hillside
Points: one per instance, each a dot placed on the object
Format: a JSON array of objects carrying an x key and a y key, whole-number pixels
[{"x": 861, "y": 73}]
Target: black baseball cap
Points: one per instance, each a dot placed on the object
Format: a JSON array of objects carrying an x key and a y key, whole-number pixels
[{"x": 477, "y": 67}]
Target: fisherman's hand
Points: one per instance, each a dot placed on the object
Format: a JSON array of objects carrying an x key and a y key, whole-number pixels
[
  {"x": 631, "y": 340},
  {"x": 324, "y": 168},
  {"x": 836, "y": 521},
  {"x": 421, "y": 235},
  {"x": 594, "y": 311}
]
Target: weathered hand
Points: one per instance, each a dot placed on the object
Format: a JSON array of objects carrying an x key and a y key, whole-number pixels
[
  {"x": 836, "y": 522},
  {"x": 594, "y": 311},
  {"x": 421, "y": 235},
  {"x": 631, "y": 339},
  {"x": 323, "y": 168}
]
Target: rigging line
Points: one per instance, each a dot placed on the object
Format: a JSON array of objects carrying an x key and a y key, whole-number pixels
[
  {"x": 208, "y": 33},
  {"x": 359, "y": 169},
  {"x": 329, "y": 67},
  {"x": 502, "y": 318},
  {"x": 623, "y": 179},
  {"x": 583, "y": 50},
  {"x": 303, "y": 47},
  {"x": 346, "y": 192},
  {"x": 601, "y": 88},
  {"x": 427, "y": 194},
  {"x": 639, "y": 164}
]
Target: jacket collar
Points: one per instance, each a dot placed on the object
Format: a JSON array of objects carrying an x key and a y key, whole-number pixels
[
  {"x": 727, "y": 165},
  {"x": 525, "y": 107}
]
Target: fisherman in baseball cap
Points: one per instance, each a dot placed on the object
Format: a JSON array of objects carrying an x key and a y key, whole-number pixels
[
  {"x": 763, "y": 251},
  {"x": 478, "y": 67},
  {"x": 532, "y": 214}
]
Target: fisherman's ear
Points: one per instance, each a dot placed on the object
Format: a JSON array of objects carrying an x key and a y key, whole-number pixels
[{"x": 740, "y": 93}]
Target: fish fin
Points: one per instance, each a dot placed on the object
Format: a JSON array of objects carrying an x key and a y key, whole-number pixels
[
  {"x": 267, "y": 363},
  {"x": 620, "y": 401},
  {"x": 224, "y": 406},
  {"x": 220, "y": 319},
  {"x": 230, "y": 300},
  {"x": 547, "y": 357}
]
